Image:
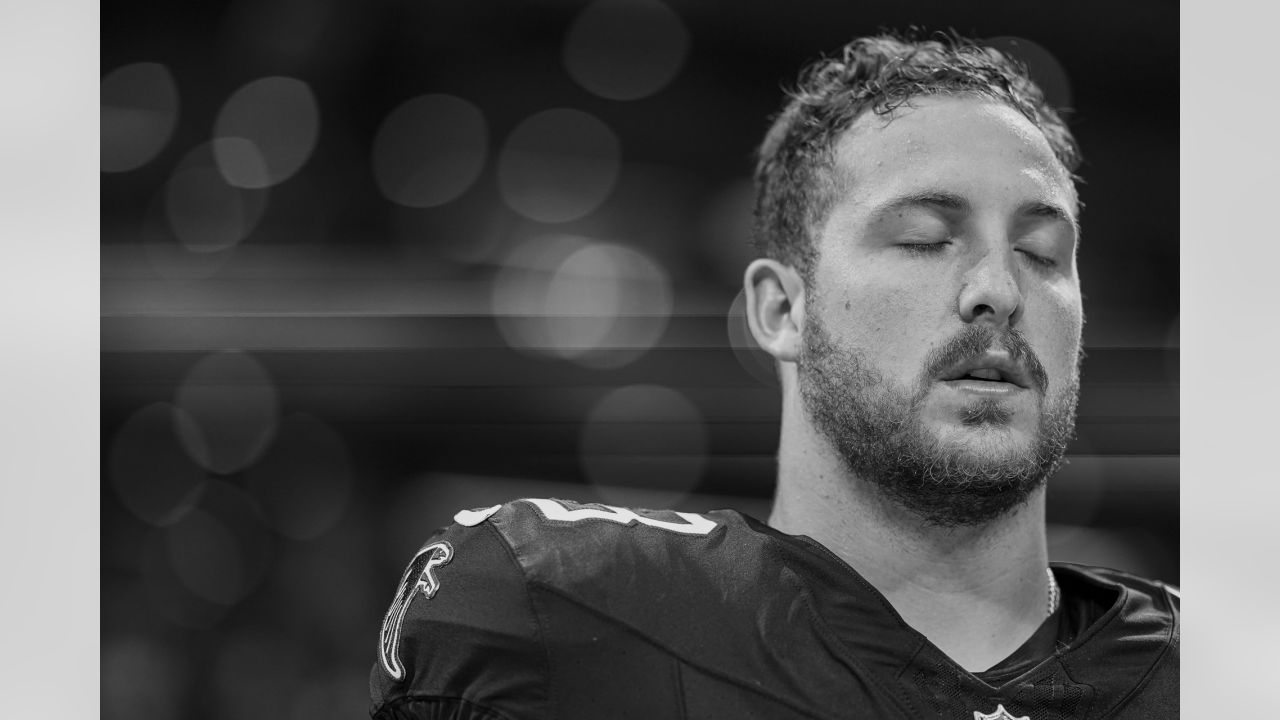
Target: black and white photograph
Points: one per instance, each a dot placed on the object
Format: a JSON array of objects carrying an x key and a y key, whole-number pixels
[{"x": 603, "y": 359}]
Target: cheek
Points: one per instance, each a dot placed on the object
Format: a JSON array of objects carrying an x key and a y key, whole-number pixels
[
  {"x": 891, "y": 324},
  {"x": 1063, "y": 324}
]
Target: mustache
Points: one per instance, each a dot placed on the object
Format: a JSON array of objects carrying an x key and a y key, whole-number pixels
[{"x": 973, "y": 341}]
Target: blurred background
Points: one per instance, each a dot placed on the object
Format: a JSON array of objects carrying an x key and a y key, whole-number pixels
[{"x": 367, "y": 264}]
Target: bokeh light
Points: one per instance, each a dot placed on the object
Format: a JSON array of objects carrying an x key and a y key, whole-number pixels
[
  {"x": 625, "y": 49},
  {"x": 558, "y": 165},
  {"x": 139, "y": 105},
  {"x": 221, "y": 550},
  {"x": 230, "y": 411},
  {"x": 167, "y": 594},
  {"x": 266, "y": 131},
  {"x": 207, "y": 559},
  {"x": 429, "y": 150},
  {"x": 655, "y": 207},
  {"x": 150, "y": 472},
  {"x": 303, "y": 483},
  {"x": 599, "y": 304},
  {"x": 203, "y": 212},
  {"x": 644, "y": 444},
  {"x": 241, "y": 163}
]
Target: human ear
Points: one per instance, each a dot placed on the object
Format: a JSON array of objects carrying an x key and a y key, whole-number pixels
[{"x": 774, "y": 306}]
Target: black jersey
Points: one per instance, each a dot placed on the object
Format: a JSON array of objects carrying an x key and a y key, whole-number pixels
[{"x": 554, "y": 609}]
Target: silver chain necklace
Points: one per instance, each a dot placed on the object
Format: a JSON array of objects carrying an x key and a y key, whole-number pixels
[{"x": 1054, "y": 593}]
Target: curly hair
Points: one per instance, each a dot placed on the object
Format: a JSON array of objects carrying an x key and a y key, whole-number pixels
[{"x": 793, "y": 176}]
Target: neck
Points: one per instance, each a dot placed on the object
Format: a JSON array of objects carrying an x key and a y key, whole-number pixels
[{"x": 977, "y": 593}]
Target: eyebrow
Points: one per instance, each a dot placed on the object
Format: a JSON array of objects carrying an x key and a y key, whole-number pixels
[
  {"x": 1036, "y": 208},
  {"x": 928, "y": 200},
  {"x": 958, "y": 204}
]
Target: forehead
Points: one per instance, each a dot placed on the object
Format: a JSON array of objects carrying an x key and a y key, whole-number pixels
[{"x": 975, "y": 147}]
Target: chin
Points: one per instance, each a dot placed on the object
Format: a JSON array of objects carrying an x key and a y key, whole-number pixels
[{"x": 994, "y": 435}]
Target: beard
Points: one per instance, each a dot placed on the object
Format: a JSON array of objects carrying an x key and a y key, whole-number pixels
[{"x": 878, "y": 431}]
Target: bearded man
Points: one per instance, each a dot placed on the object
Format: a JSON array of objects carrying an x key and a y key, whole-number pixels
[{"x": 917, "y": 221}]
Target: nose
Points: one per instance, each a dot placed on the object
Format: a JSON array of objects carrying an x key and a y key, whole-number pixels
[{"x": 989, "y": 290}]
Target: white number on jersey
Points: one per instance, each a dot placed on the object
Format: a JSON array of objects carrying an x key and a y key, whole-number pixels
[{"x": 692, "y": 524}]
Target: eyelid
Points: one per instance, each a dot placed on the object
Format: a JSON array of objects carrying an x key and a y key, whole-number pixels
[
  {"x": 1037, "y": 258},
  {"x": 924, "y": 248},
  {"x": 925, "y": 238}
]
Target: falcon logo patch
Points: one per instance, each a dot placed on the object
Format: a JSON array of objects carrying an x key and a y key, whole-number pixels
[
  {"x": 999, "y": 714},
  {"x": 419, "y": 577}
]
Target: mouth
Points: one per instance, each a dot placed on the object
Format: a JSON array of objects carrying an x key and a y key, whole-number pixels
[{"x": 990, "y": 369}]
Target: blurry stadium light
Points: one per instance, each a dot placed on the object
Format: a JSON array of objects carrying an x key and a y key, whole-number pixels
[
  {"x": 151, "y": 474},
  {"x": 231, "y": 411},
  {"x": 598, "y": 304},
  {"x": 625, "y": 49},
  {"x": 430, "y": 150},
  {"x": 240, "y": 163},
  {"x": 166, "y": 594},
  {"x": 205, "y": 213},
  {"x": 558, "y": 165},
  {"x": 266, "y": 131},
  {"x": 303, "y": 483},
  {"x": 644, "y": 443},
  {"x": 202, "y": 212},
  {"x": 207, "y": 559},
  {"x": 221, "y": 550},
  {"x": 139, "y": 105}
]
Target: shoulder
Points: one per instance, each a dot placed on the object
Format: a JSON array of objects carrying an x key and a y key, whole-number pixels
[
  {"x": 1130, "y": 646},
  {"x": 1142, "y": 593},
  {"x": 485, "y": 604},
  {"x": 589, "y": 549},
  {"x": 459, "y": 629}
]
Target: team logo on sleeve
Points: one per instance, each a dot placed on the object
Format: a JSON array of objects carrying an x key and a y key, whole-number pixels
[
  {"x": 419, "y": 577},
  {"x": 999, "y": 714}
]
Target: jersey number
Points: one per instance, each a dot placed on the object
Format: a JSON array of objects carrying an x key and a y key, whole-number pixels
[
  {"x": 420, "y": 576},
  {"x": 693, "y": 524}
]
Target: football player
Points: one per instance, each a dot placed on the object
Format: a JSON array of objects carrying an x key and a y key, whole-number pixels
[{"x": 916, "y": 219}]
